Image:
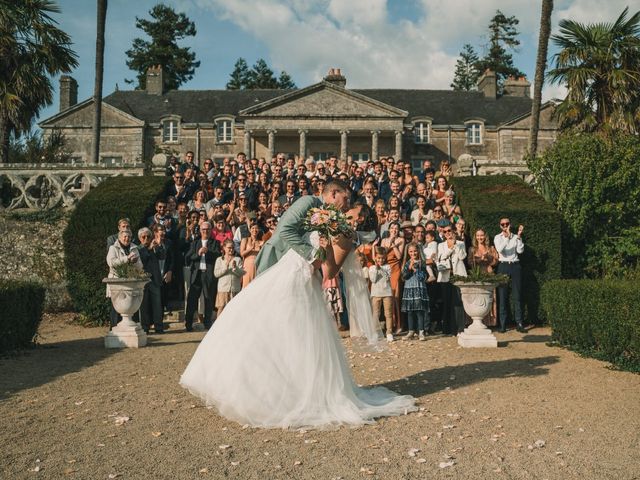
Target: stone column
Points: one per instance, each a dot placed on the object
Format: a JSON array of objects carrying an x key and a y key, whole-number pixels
[
  {"x": 398, "y": 155},
  {"x": 247, "y": 143},
  {"x": 374, "y": 145},
  {"x": 272, "y": 143},
  {"x": 303, "y": 144},
  {"x": 343, "y": 144}
]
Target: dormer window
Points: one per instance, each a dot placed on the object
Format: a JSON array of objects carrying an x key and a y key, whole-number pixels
[
  {"x": 224, "y": 130},
  {"x": 170, "y": 130},
  {"x": 421, "y": 132},
  {"x": 474, "y": 133}
]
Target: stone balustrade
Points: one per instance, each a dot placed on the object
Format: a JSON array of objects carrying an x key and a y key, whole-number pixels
[{"x": 45, "y": 186}]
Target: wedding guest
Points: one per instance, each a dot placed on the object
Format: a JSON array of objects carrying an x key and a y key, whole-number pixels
[
  {"x": 121, "y": 252},
  {"x": 415, "y": 299},
  {"x": 201, "y": 259},
  {"x": 485, "y": 257},
  {"x": 420, "y": 214},
  {"x": 449, "y": 208},
  {"x": 151, "y": 308},
  {"x": 123, "y": 224},
  {"x": 163, "y": 250},
  {"x": 381, "y": 291},
  {"x": 333, "y": 296},
  {"x": 394, "y": 245},
  {"x": 451, "y": 255},
  {"x": 509, "y": 247},
  {"x": 178, "y": 189},
  {"x": 442, "y": 186},
  {"x": 199, "y": 201},
  {"x": 430, "y": 254},
  {"x": 445, "y": 171},
  {"x": 271, "y": 223},
  {"x": 221, "y": 230},
  {"x": 290, "y": 195},
  {"x": 249, "y": 248},
  {"x": 228, "y": 270}
]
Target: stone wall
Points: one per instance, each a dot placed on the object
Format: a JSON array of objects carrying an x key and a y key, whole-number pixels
[{"x": 31, "y": 248}]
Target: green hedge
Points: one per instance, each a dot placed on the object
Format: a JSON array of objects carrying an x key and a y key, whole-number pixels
[
  {"x": 485, "y": 199},
  {"x": 93, "y": 220},
  {"x": 21, "y": 304},
  {"x": 598, "y": 318}
]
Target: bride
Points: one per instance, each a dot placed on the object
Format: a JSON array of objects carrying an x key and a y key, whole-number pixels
[{"x": 274, "y": 358}]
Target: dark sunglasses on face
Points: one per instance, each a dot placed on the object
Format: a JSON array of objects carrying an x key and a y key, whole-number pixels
[
  {"x": 448, "y": 230},
  {"x": 506, "y": 224}
]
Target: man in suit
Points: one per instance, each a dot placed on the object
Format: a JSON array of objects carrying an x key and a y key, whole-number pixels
[
  {"x": 369, "y": 194},
  {"x": 201, "y": 257},
  {"x": 178, "y": 189},
  {"x": 290, "y": 233},
  {"x": 249, "y": 193},
  {"x": 123, "y": 224},
  {"x": 151, "y": 308},
  {"x": 509, "y": 247},
  {"x": 290, "y": 196}
]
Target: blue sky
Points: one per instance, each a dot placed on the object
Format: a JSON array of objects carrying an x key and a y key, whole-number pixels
[{"x": 376, "y": 43}]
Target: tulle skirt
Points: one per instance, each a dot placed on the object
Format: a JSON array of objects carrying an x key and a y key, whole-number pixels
[{"x": 274, "y": 358}]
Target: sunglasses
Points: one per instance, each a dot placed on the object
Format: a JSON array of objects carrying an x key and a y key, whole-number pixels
[
  {"x": 179, "y": 178},
  {"x": 505, "y": 224},
  {"x": 448, "y": 230}
]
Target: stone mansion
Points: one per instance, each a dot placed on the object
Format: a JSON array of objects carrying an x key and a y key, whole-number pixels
[{"x": 317, "y": 121}]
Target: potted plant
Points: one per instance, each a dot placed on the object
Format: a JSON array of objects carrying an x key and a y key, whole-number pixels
[
  {"x": 477, "y": 298},
  {"x": 127, "y": 291}
]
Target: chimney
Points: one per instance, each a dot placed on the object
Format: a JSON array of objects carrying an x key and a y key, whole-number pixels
[
  {"x": 68, "y": 92},
  {"x": 155, "y": 80},
  {"x": 517, "y": 87},
  {"x": 336, "y": 78},
  {"x": 487, "y": 84}
]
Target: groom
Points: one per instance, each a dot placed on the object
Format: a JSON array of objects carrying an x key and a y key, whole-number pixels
[{"x": 290, "y": 231}]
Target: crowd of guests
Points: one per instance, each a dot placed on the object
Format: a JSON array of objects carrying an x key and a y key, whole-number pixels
[{"x": 200, "y": 245}]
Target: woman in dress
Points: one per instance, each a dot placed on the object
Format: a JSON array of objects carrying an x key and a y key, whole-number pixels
[
  {"x": 394, "y": 244},
  {"x": 484, "y": 256},
  {"x": 249, "y": 248},
  {"x": 199, "y": 201},
  {"x": 284, "y": 366},
  {"x": 420, "y": 214}
]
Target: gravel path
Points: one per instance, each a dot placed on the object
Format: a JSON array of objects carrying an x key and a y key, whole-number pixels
[{"x": 522, "y": 411}]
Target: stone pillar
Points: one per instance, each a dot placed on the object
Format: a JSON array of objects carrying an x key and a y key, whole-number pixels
[
  {"x": 303, "y": 144},
  {"x": 398, "y": 155},
  {"x": 272, "y": 143},
  {"x": 343, "y": 144},
  {"x": 247, "y": 143},
  {"x": 374, "y": 145}
]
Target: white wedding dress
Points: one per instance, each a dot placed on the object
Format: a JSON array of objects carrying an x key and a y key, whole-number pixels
[{"x": 274, "y": 358}]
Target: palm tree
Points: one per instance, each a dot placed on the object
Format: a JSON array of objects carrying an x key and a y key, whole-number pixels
[
  {"x": 541, "y": 65},
  {"x": 600, "y": 65},
  {"x": 32, "y": 49},
  {"x": 97, "y": 90}
]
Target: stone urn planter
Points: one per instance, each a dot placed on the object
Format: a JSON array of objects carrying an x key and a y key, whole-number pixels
[
  {"x": 477, "y": 299},
  {"x": 126, "y": 298}
]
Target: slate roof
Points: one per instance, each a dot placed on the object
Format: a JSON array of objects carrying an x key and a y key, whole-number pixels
[{"x": 445, "y": 107}]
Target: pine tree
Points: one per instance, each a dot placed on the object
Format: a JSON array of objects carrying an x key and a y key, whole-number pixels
[
  {"x": 466, "y": 75},
  {"x": 285, "y": 82},
  {"x": 503, "y": 35},
  {"x": 261, "y": 76},
  {"x": 166, "y": 28},
  {"x": 239, "y": 76}
]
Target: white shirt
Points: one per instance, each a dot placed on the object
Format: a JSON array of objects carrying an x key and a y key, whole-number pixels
[
  {"x": 380, "y": 281},
  {"x": 203, "y": 263},
  {"x": 508, "y": 248}
]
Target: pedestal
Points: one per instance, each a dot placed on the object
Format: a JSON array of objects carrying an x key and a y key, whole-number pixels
[
  {"x": 477, "y": 335},
  {"x": 125, "y": 335}
]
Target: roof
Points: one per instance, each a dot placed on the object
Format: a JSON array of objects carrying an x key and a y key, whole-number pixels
[{"x": 444, "y": 107}]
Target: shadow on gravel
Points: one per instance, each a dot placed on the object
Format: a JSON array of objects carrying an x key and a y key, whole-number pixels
[
  {"x": 44, "y": 363},
  {"x": 527, "y": 339},
  {"x": 439, "y": 379}
]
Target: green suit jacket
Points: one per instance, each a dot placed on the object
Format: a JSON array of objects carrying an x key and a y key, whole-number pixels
[{"x": 288, "y": 235}]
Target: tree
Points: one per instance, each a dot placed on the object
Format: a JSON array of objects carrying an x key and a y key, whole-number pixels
[
  {"x": 97, "y": 89},
  {"x": 260, "y": 76},
  {"x": 285, "y": 82},
  {"x": 166, "y": 29},
  {"x": 466, "y": 75},
  {"x": 600, "y": 65},
  {"x": 239, "y": 76},
  {"x": 32, "y": 49},
  {"x": 541, "y": 65},
  {"x": 502, "y": 36}
]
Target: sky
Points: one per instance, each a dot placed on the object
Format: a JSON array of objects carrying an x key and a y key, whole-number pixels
[{"x": 376, "y": 43}]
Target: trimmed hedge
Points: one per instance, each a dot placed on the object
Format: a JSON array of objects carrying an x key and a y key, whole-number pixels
[
  {"x": 93, "y": 220},
  {"x": 598, "y": 318},
  {"x": 21, "y": 304},
  {"x": 485, "y": 199}
]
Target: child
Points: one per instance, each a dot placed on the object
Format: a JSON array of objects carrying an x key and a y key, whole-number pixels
[
  {"x": 228, "y": 270},
  {"x": 381, "y": 293},
  {"x": 415, "y": 300},
  {"x": 430, "y": 253},
  {"x": 331, "y": 288}
]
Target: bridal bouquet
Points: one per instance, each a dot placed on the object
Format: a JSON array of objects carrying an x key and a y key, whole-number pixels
[{"x": 327, "y": 221}]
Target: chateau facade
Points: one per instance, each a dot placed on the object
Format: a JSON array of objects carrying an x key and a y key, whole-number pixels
[{"x": 317, "y": 121}]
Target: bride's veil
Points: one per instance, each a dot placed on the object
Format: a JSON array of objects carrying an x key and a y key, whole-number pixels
[{"x": 365, "y": 330}]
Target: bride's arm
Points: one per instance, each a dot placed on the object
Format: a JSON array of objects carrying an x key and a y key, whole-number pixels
[{"x": 337, "y": 254}]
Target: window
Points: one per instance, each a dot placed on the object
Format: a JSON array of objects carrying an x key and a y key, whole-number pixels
[
  {"x": 224, "y": 131},
  {"x": 474, "y": 133},
  {"x": 360, "y": 157},
  {"x": 170, "y": 131},
  {"x": 111, "y": 161},
  {"x": 322, "y": 155},
  {"x": 421, "y": 132}
]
